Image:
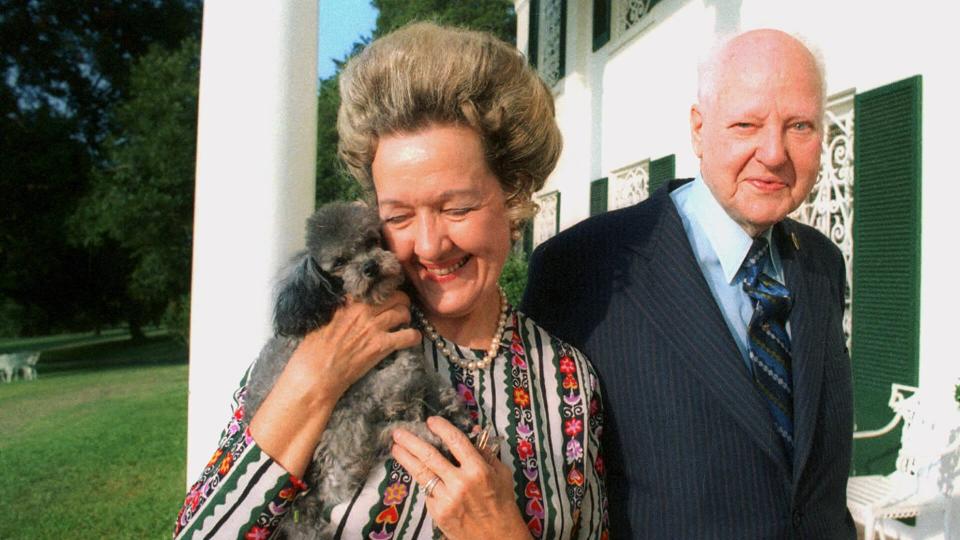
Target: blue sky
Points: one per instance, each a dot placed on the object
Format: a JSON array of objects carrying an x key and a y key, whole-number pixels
[{"x": 342, "y": 22}]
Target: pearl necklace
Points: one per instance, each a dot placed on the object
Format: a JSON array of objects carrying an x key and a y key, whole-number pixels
[{"x": 449, "y": 354}]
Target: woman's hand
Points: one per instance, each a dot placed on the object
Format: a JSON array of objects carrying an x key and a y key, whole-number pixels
[
  {"x": 472, "y": 500},
  {"x": 330, "y": 359},
  {"x": 289, "y": 422}
]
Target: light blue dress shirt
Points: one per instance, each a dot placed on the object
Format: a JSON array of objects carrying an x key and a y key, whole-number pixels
[{"x": 720, "y": 246}]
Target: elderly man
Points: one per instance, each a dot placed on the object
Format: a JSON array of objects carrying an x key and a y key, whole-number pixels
[{"x": 715, "y": 322}]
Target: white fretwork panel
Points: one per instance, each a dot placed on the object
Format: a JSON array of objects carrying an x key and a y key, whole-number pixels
[
  {"x": 545, "y": 223},
  {"x": 829, "y": 207},
  {"x": 629, "y": 185},
  {"x": 627, "y": 13},
  {"x": 550, "y": 41}
]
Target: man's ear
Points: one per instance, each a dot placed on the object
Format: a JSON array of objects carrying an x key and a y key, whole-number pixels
[{"x": 696, "y": 127}]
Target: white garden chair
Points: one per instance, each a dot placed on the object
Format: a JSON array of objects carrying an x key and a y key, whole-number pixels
[
  {"x": 6, "y": 367},
  {"x": 23, "y": 364},
  {"x": 875, "y": 501},
  {"x": 28, "y": 369}
]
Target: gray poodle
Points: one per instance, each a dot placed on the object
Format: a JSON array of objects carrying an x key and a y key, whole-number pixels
[{"x": 344, "y": 256}]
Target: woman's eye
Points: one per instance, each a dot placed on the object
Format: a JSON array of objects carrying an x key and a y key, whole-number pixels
[
  {"x": 394, "y": 220},
  {"x": 458, "y": 211}
]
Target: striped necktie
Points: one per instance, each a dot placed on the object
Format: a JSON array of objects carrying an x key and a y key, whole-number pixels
[{"x": 769, "y": 342}]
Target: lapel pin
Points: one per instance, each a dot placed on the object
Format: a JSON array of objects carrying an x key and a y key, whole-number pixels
[{"x": 796, "y": 241}]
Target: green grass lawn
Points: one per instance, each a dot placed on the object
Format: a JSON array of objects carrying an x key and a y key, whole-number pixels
[{"x": 96, "y": 446}]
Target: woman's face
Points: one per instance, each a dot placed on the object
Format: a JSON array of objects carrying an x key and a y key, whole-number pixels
[{"x": 445, "y": 219}]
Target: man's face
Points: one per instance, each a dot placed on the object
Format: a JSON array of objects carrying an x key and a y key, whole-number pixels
[{"x": 758, "y": 132}]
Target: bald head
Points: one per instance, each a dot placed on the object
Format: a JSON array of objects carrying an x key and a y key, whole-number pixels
[
  {"x": 754, "y": 52},
  {"x": 758, "y": 126}
]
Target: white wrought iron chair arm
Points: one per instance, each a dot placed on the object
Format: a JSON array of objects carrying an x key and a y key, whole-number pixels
[
  {"x": 896, "y": 397},
  {"x": 872, "y": 433}
]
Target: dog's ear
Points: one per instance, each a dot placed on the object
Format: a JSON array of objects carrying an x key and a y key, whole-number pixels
[{"x": 306, "y": 298}]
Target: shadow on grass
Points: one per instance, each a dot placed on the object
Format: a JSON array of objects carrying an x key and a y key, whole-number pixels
[
  {"x": 152, "y": 351},
  {"x": 43, "y": 343}
]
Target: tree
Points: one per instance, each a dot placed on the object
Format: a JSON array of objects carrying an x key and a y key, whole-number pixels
[
  {"x": 494, "y": 16},
  {"x": 75, "y": 56},
  {"x": 40, "y": 171},
  {"x": 64, "y": 65},
  {"x": 333, "y": 181},
  {"x": 142, "y": 193}
]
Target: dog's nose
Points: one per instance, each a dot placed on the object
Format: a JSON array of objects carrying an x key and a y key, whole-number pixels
[{"x": 371, "y": 268}]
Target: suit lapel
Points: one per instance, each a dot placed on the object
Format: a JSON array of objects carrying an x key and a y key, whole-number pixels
[
  {"x": 809, "y": 289},
  {"x": 667, "y": 286}
]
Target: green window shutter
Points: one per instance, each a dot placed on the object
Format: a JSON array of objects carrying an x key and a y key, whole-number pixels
[
  {"x": 886, "y": 260},
  {"x": 558, "y": 25},
  {"x": 601, "y": 23},
  {"x": 598, "y": 196},
  {"x": 563, "y": 38},
  {"x": 533, "y": 37},
  {"x": 662, "y": 171}
]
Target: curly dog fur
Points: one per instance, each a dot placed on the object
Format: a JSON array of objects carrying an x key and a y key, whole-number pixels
[{"x": 344, "y": 256}]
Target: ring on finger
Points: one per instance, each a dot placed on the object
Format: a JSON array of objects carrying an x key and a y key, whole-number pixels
[{"x": 430, "y": 485}]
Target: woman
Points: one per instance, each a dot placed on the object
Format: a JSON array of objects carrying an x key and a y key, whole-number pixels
[{"x": 451, "y": 133}]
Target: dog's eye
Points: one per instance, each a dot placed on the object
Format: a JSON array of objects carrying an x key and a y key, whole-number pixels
[
  {"x": 339, "y": 262},
  {"x": 371, "y": 243}
]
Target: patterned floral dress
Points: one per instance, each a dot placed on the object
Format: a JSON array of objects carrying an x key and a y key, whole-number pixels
[{"x": 540, "y": 394}]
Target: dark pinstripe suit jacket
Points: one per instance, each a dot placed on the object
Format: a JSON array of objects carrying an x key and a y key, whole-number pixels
[{"x": 690, "y": 448}]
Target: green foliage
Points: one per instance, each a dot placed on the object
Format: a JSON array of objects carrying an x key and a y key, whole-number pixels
[
  {"x": 66, "y": 64},
  {"x": 513, "y": 278},
  {"x": 11, "y": 317},
  {"x": 176, "y": 318},
  {"x": 494, "y": 16},
  {"x": 75, "y": 57},
  {"x": 333, "y": 182},
  {"x": 142, "y": 195},
  {"x": 47, "y": 283}
]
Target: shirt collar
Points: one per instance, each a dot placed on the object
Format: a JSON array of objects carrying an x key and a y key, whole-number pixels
[{"x": 728, "y": 240}]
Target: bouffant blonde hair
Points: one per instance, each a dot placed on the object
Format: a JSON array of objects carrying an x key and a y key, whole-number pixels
[{"x": 423, "y": 74}]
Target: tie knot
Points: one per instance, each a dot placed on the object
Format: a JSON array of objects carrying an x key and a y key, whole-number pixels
[
  {"x": 767, "y": 294},
  {"x": 755, "y": 261}
]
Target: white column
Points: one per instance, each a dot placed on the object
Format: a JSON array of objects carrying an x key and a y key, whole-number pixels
[
  {"x": 522, "y": 9},
  {"x": 256, "y": 154}
]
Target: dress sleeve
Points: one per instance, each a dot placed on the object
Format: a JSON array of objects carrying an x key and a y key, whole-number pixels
[
  {"x": 594, "y": 518},
  {"x": 242, "y": 492}
]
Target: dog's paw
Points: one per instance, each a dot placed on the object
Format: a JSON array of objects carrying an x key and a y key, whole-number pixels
[{"x": 417, "y": 428}]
